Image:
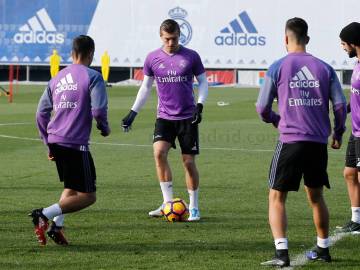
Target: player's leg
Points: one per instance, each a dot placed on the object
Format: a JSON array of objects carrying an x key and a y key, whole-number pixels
[
  {"x": 277, "y": 215},
  {"x": 351, "y": 176},
  {"x": 315, "y": 178},
  {"x": 164, "y": 139},
  {"x": 188, "y": 135},
  {"x": 56, "y": 231},
  {"x": 284, "y": 175},
  {"x": 163, "y": 171},
  {"x": 77, "y": 170},
  {"x": 77, "y": 201},
  {"x": 192, "y": 184},
  {"x": 321, "y": 222}
]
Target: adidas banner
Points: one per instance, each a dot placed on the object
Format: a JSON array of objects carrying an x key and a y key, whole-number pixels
[
  {"x": 30, "y": 30},
  {"x": 228, "y": 34}
]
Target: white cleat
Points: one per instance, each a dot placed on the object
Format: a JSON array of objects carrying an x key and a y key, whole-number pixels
[
  {"x": 194, "y": 214},
  {"x": 157, "y": 212}
]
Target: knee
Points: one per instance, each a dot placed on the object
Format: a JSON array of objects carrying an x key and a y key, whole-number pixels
[
  {"x": 189, "y": 163},
  {"x": 160, "y": 155},
  {"x": 350, "y": 174},
  {"x": 91, "y": 198},
  {"x": 315, "y": 197},
  {"x": 276, "y": 196}
]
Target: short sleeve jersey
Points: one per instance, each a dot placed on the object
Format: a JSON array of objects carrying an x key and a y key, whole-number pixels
[{"x": 174, "y": 74}]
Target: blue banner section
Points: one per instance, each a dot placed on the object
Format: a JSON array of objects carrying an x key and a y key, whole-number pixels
[{"x": 31, "y": 30}]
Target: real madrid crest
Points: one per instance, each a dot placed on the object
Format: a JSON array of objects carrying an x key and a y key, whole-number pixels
[{"x": 178, "y": 14}]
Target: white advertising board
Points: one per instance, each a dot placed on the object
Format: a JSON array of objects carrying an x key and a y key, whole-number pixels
[{"x": 227, "y": 34}]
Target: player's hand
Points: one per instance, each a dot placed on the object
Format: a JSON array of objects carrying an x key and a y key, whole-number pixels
[
  {"x": 104, "y": 130},
  {"x": 51, "y": 157},
  {"x": 196, "y": 118},
  {"x": 127, "y": 121},
  {"x": 335, "y": 144}
]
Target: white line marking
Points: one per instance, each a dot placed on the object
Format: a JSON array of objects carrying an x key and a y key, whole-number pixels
[
  {"x": 15, "y": 124},
  {"x": 150, "y": 145},
  {"x": 144, "y": 145}
]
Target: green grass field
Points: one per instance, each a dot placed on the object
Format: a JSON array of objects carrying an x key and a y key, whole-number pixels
[{"x": 116, "y": 233}]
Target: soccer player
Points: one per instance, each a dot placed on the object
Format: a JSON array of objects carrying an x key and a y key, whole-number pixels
[
  {"x": 303, "y": 86},
  {"x": 173, "y": 68},
  {"x": 350, "y": 40},
  {"x": 75, "y": 96}
]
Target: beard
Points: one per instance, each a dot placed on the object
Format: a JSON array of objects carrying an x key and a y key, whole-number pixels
[{"x": 352, "y": 53}]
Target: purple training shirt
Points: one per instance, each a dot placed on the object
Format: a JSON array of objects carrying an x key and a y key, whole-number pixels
[
  {"x": 174, "y": 76},
  {"x": 75, "y": 96},
  {"x": 355, "y": 101},
  {"x": 303, "y": 86}
]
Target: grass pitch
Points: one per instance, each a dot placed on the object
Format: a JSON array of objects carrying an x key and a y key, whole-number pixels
[{"x": 116, "y": 233}]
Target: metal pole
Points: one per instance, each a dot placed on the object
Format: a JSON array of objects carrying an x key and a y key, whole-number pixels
[{"x": 27, "y": 73}]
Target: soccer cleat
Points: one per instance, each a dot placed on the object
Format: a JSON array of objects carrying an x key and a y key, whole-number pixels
[
  {"x": 157, "y": 212},
  {"x": 40, "y": 225},
  {"x": 56, "y": 233},
  {"x": 194, "y": 214},
  {"x": 350, "y": 227},
  {"x": 319, "y": 254},
  {"x": 281, "y": 259}
]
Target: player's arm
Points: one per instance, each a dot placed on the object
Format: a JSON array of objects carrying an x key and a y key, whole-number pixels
[
  {"x": 339, "y": 109},
  {"x": 141, "y": 98},
  {"x": 203, "y": 93},
  {"x": 267, "y": 94},
  {"x": 43, "y": 113},
  {"x": 99, "y": 103}
]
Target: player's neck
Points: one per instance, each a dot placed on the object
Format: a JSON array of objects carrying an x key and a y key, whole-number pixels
[
  {"x": 169, "y": 51},
  {"x": 81, "y": 62},
  {"x": 296, "y": 49}
]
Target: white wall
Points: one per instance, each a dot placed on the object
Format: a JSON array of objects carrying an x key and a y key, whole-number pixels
[{"x": 128, "y": 29}]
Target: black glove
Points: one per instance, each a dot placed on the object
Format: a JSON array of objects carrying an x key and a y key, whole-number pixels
[
  {"x": 127, "y": 121},
  {"x": 196, "y": 119},
  {"x": 104, "y": 130},
  {"x": 348, "y": 108}
]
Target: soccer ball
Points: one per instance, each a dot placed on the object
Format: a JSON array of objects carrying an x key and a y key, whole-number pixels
[{"x": 176, "y": 210}]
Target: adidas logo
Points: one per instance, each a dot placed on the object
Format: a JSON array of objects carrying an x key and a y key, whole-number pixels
[
  {"x": 240, "y": 32},
  {"x": 39, "y": 29},
  {"x": 304, "y": 79},
  {"x": 66, "y": 84}
]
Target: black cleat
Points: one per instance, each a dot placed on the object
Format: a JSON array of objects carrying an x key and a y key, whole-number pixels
[
  {"x": 56, "y": 233},
  {"x": 350, "y": 227},
  {"x": 281, "y": 259},
  {"x": 319, "y": 254}
]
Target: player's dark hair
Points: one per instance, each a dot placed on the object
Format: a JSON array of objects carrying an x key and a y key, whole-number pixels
[
  {"x": 351, "y": 34},
  {"x": 170, "y": 26},
  {"x": 299, "y": 28},
  {"x": 83, "y": 46}
]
